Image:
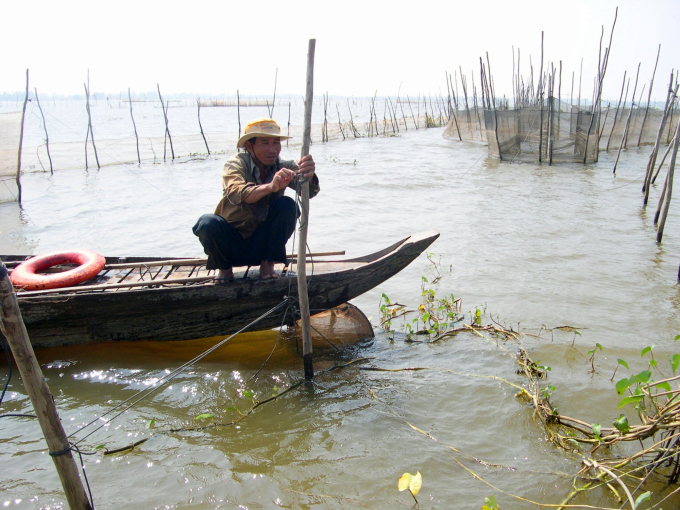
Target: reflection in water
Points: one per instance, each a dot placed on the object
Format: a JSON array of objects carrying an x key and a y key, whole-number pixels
[{"x": 553, "y": 246}]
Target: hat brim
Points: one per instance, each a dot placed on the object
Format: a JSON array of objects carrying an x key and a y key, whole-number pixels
[{"x": 242, "y": 141}]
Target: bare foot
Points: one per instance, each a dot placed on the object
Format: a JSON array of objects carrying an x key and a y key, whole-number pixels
[
  {"x": 267, "y": 270},
  {"x": 224, "y": 276}
]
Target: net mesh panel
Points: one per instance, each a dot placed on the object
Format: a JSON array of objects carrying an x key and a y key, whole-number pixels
[
  {"x": 10, "y": 131},
  {"x": 560, "y": 135},
  {"x": 122, "y": 150}
]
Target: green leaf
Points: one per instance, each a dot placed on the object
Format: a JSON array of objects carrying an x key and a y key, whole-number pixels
[
  {"x": 99, "y": 447},
  {"x": 426, "y": 316},
  {"x": 677, "y": 337},
  {"x": 151, "y": 423},
  {"x": 641, "y": 498},
  {"x": 248, "y": 394},
  {"x": 622, "y": 423},
  {"x": 623, "y": 363},
  {"x": 644, "y": 376},
  {"x": 597, "y": 429},
  {"x": 424, "y": 279},
  {"x": 478, "y": 313},
  {"x": 674, "y": 362},
  {"x": 592, "y": 351},
  {"x": 387, "y": 300},
  {"x": 622, "y": 386},
  {"x": 645, "y": 351},
  {"x": 664, "y": 386},
  {"x": 203, "y": 416},
  {"x": 652, "y": 363},
  {"x": 598, "y": 346},
  {"x": 490, "y": 503},
  {"x": 631, "y": 399},
  {"x": 576, "y": 332}
]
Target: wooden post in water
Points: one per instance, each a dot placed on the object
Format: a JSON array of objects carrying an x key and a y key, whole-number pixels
[
  {"x": 669, "y": 186},
  {"x": 21, "y": 140},
  {"x": 165, "y": 117},
  {"x": 304, "y": 219},
  {"x": 13, "y": 329},
  {"x": 47, "y": 138},
  {"x": 198, "y": 104},
  {"x": 139, "y": 159}
]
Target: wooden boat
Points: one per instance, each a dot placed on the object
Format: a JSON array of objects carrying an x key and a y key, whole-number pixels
[{"x": 145, "y": 298}]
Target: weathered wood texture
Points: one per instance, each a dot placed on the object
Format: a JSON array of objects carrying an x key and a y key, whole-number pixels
[
  {"x": 14, "y": 331},
  {"x": 183, "y": 312}
]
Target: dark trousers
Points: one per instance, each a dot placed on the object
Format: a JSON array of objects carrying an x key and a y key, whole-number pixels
[{"x": 225, "y": 247}]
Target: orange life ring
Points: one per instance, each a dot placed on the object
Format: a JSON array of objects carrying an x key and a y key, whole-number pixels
[{"x": 25, "y": 274}]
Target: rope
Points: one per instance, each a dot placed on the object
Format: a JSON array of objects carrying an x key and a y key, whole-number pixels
[{"x": 141, "y": 395}]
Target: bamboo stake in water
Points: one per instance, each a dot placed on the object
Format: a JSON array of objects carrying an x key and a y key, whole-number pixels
[
  {"x": 139, "y": 159},
  {"x": 630, "y": 113},
  {"x": 304, "y": 219},
  {"x": 14, "y": 330},
  {"x": 21, "y": 141},
  {"x": 47, "y": 138},
  {"x": 669, "y": 186},
  {"x": 649, "y": 97}
]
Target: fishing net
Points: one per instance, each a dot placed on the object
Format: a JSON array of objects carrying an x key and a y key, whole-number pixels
[
  {"x": 10, "y": 130},
  {"x": 558, "y": 133}
]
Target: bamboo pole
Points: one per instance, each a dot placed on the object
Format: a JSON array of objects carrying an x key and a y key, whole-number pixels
[
  {"x": 616, "y": 114},
  {"x": 14, "y": 330},
  {"x": 198, "y": 104},
  {"x": 276, "y": 78},
  {"x": 649, "y": 97},
  {"x": 167, "y": 129},
  {"x": 669, "y": 186},
  {"x": 139, "y": 159},
  {"x": 663, "y": 160},
  {"x": 655, "y": 151},
  {"x": 339, "y": 122},
  {"x": 89, "y": 127},
  {"x": 21, "y": 141},
  {"x": 238, "y": 112},
  {"x": 47, "y": 138},
  {"x": 630, "y": 113},
  {"x": 304, "y": 219},
  {"x": 540, "y": 95}
]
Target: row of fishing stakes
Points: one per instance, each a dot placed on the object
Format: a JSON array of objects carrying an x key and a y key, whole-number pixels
[{"x": 14, "y": 331}]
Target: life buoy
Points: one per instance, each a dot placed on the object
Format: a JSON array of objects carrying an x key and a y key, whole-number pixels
[{"x": 25, "y": 274}]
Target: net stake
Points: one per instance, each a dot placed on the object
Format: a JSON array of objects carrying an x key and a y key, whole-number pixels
[
  {"x": 14, "y": 330},
  {"x": 304, "y": 217}
]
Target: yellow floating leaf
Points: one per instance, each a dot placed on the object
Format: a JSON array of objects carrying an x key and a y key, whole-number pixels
[
  {"x": 411, "y": 482},
  {"x": 405, "y": 481},
  {"x": 416, "y": 483}
]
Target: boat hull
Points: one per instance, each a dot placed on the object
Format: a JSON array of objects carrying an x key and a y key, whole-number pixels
[{"x": 196, "y": 311}]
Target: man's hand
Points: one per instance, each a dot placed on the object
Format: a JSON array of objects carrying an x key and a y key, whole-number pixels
[
  {"x": 282, "y": 178},
  {"x": 306, "y": 167}
]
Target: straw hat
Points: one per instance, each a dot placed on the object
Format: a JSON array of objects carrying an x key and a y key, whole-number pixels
[{"x": 261, "y": 127}]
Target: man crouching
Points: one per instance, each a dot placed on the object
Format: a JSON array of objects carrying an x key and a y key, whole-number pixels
[{"x": 254, "y": 220}]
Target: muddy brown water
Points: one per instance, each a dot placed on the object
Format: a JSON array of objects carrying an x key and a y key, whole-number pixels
[{"x": 534, "y": 247}]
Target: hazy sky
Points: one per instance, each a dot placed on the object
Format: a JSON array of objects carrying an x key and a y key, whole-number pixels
[{"x": 362, "y": 46}]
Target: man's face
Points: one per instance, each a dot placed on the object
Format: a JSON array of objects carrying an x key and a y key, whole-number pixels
[{"x": 266, "y": 149}]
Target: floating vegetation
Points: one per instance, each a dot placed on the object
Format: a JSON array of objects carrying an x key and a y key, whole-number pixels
[{"x": 651, "y": 395}]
